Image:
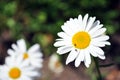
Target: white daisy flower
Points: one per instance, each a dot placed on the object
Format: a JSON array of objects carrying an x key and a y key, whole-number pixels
[
  {"x": 1, "y": 71},
  {"x": 82, "y": 37},
  {"x": 55, "y": 65},
  {"x": 33, "y": 54},
  {"x": 17, "y": 69}
]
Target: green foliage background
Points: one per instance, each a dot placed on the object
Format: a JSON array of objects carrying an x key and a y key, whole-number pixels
[{"x": 40, "y": 20}]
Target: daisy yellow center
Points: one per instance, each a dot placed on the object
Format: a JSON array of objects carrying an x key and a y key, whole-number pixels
[
  {"x": 57, "y": 64},
  {"x": 81, "y": 40},
  {"x": 14, "y": 73},
  {"x": 25, "y": 55}
]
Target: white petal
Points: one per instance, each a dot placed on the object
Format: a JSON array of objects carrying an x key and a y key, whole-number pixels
[
  {"x": 84, "y": 23},
  {"x": 87, "y": 59},
  {"x": 98, "y": 50},
  {"x": 80, "y": 18},
  {"x": 32, "y": 74},
  {"x": 64, "y": 49},
  {"x": 97, "y": 44},
  {"x": 36, "y": 64},
  {"x": 72, "y": 55},
  {"x": 25, "y": 63},
  {"x": 71, "y": 23},
  {"x": 9, "y": 61},
  {"x": 80, "y": 23},
  {"x": 101, "y": 38},
  {"x": 62, "y": 43},
  {"x": 11, "y": 52},
  {"x": 60, "y": 39},
  {"x": 90, "y": 23},
  {"x": 28, "y": 68},
  {"x": 63, "y": 35},
  {"x": 100, "y": 44},
  {"x": 101, "y": 57},
  {"x": 66, "y": 29},
  {"x": 98, "y": 32},
  {"x": 15, "y": 47},
  {"x": 76, "y": 24},
  {"x": 24, "y": 77},
  {"x": 34, "y": 48},
  {"x": 96, "y": 23},
  {"x": 92, "y": 31},
  {"x": 38, "y": 60},
  {"x": 79, "y": 58},
  {"x": 107, "y": 43},
  {"x": 3, "y": 77},
  {"x": 21, "y": 44},
  {"x": 36, "y": 55},
  {"x": 87, "y": 65},
  {"x": 92, "y": 52},
  {"x": 19, "y": 59}
]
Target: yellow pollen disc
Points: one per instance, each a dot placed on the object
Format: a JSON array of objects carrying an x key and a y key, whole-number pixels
[
  {"x": 81, "y": 40},
  {"x": 57, "y": 64},
  {"x": 25, "y": 55},
  {"x": 14, "y": 73}
]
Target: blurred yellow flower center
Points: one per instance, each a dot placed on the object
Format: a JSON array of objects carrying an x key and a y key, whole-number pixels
[
  {"x": 25, "y": 55},
  {"x": 57, "y": 64},
  {"x": 81, "y": 40},
  {"x": 14, "y": 73}
]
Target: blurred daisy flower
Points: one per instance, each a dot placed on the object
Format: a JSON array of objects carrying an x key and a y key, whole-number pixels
[
  {"x": 17, "y": 69},
  {"x": 33, "y": 54},
  {"x": 1, "y": 71},
  {"x": 82, "y": 37},
  {"x": 54, "y": 64}
]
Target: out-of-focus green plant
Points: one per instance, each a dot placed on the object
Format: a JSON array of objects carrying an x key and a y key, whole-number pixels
[
  {"x": 30, "y": 17},
  {"x": 40, "y": 20}
]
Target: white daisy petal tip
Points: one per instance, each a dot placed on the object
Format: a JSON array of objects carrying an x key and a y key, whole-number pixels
[
  {"x": 55, "y": 44},
  {"x": 94, "y": 18},
  {"x": 87, "y": 65},
  {"x": 67, "y": 63},
  {"x": 102, "y": 57},
  {"x": 21, "y": 41},
  {"x": 11, "y": 52},
  {"x": 86, "y": 15},
  {"x": 104, "y": 29},
  {"x": 37, "y": 45},
  {"x": 58, "y": 33},
  {"x": 79, "y": 16},
  {"x": 71, "y": 19},
  {"x": 108, "y": 43},
  {"x": 59, "y": 52},
  {"x": 77, "y": 64}
]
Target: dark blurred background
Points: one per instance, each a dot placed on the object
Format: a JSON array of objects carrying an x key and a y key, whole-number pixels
[{"x": 38, "y": 21}]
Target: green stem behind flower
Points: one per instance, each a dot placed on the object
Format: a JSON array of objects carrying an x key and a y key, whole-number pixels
[
  {"x": 97, "y": 68},
  {"x": 107, "y": 65}
]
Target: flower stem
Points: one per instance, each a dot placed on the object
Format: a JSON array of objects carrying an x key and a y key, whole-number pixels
[
  {"x": 97, "y": 68},
  {"x": 107, "y": 65}
]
